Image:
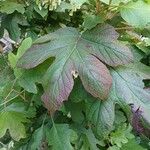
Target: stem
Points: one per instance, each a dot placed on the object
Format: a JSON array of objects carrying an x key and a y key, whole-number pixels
[
  {"x": 3, "y": 144},
  {"x": 5, "y": 102},
  {"x": 125, "y": 28},
  {"x": 98, "y": 6},
  {"x": 110, "y": 1},
  {"x": 22, "y": 96}
]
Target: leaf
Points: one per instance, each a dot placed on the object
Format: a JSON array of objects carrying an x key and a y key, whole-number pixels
[
  {"x": 30, "y": 78},
  {"x": 132, "y": 144},
  {"x": 76, "y": 4},
  {"x": 137, "y": 53},
  {"x": 64, "y": 6},
  {"x": 12, "y": 118},
  {"x": 27, "y": 80},
  {"x": 101, "y": 115},
  {"x": 136, "y": 13},
  {"x": 10, "y": 7},
  {"x": 128, "y": 88},
  {"x": 141, "y": 69},
  {"x": 75, "y": 53},
  {"x": 115, "y": 2},
  {"x": 78, "y": 94},
  {"x": 37, "y": 138},
  {"x": 6, "y": 73},
  {"x": 90, "y": 140},
  {"x": 119, "y": 118},
  {"x": 121, "y": 135},
  {"x": 76, "y": 111},
  {"x": 90, "y": 21},
  {"x": 114, "y": 147},
  {"x": 26, "y": 44},
  {"x": 43, "y": 12},
  {"x": 11, "y": 25},
  {"x": 59, "y": 137}
]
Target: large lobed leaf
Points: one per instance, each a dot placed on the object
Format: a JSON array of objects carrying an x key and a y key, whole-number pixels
[{"x": 77, "y": 53}]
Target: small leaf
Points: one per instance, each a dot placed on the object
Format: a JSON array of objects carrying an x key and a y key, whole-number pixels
[
  {"x": 90, "y": 140},
  {"x": 59, "y": 137},
  {"x": 132, "y": 144},
  {"x": 101, "y": 115},
  {"x": 115, "y": 2},
  {"x": 12, "y": 119},
  {"x": 26, "y": 44},
  {"x": 37, "y": 138},
  {"x": 90, "y": 21},
  {"x": 121, "y": 135},
  {"x": 6, "y": 74},
  {"x": 76, "y": 111},
  {"x": 10, "y": 23}
]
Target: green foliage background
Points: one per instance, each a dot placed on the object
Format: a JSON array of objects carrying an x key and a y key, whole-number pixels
[{"x": 76, "y": 76}]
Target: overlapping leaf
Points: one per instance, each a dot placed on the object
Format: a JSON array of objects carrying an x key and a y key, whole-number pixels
[
  {"x": 101, "y": 114},
  {"x": 128, "y": 88},
  {"x": 115, "y": 2},
  {"x": 10, "y": 6},
  {"x": 27, "y": 79},
  {"x": 59, "y": 137},
  {"x": 77, "y": 53},
  {"x": 136, "y": 13},
  {"x": 38, "y": 138},
  {"x": 12, "y": 119}
]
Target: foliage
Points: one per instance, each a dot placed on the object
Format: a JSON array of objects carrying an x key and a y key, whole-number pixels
[{"x": 77, "y": 76}]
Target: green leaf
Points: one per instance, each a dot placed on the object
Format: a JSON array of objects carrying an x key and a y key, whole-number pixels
[
  {"x": 114, "y": 147},
  {"x": 78, "y": 93},
  {"x": 37, "y": 138},
  {"x": 137, "y": 53},
  {"x": 90, "y": 141},
  {"x": 76, "y": 4},
  {"x": 136, "y": 13},
  {"x": 26, "y": 44},
  {"x": 6, "y": 73},
  {"x": 119, "y": 117},
  {"x": 132, "y": 144},
  {"x": 12, "y": 119},
  {"x": 10, "y": 23},
  {"x": 128, "y": 88},
  {"x": 101, "y": 114},
  {"x": 90, "y": 21},
  {"x": 75, "y": 53},
  {"x": 76, "y": 111},
  {"x": 9, "y": 7},
  {"x": 43, "y": 12},
  {"x": 63, "y": 7},
  {"x": 115, "y": 2},
  {"x": 121, "y": 135},
  {"x": 59, "y": 137},
  {"x": 27, "y": 79},
  {"x": 140, "y": 69}
]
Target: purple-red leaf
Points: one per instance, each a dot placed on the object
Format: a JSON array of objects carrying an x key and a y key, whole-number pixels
[{"x": 77, "y": 53}]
